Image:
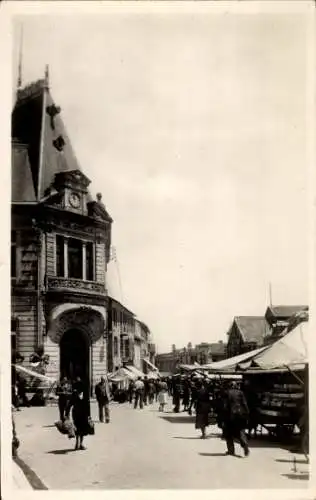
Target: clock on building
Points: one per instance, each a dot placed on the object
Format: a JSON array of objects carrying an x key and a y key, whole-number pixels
[{"x": 74, "y": 200}]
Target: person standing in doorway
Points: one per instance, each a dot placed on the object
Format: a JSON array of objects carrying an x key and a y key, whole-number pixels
[
  {"x": 102, "y": 394},
  {"x": 139, "y": 393}
]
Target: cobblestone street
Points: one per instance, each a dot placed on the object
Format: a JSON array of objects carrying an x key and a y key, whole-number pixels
[{"x": 149, "y": 450}]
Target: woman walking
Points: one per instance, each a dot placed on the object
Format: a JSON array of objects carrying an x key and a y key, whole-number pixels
[
  {"x": 80, "y": 414},
  {"x": 202, "y": 408},
  {"x": 163, "y": 394}
]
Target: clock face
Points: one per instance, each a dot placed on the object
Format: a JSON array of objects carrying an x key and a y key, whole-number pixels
[{"x": 74, "y": 200}]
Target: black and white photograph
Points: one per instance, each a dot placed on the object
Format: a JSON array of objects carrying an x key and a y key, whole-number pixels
[{"x": 161, "y": 237}]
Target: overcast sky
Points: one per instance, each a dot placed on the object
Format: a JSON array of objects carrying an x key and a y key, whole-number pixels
[{"x": 193, "y": 128}]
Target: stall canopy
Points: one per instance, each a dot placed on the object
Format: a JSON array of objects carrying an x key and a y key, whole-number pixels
[
  {"x": 290, "y": 350},
  {"x": 232, "y": 363},
  {"x": 189, "y": 367},
  {"x": 135, "y": 371},
  {"x": 120, "y": 375},
  {"x": 151, "y": 365},
  {"x": 153, "y": 375},
  {"x": 34, "y": 374}
]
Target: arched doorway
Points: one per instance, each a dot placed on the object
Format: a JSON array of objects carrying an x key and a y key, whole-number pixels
[{"x": 75, "y": 355}]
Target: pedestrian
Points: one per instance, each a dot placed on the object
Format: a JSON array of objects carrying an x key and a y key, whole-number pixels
[
  {"x": 80, "y": 406},
  {"x": 186, "y": 395},
  {"x": 139, "y": 393},
  {"x": 193, "y": 391},
  {"x": 63, "y": 391},
  {"x": 145, "y": 396},
  {"x": 163, "y": 395},
  {"x": 21, "y": 389},
  {"x": 151, "y": 391},
  {"x": 102, "y": 394},
  {"x": 131, "y": 391},
  {"x": 202, "y": 407},
  {"x": 235, "y": 415},
  {"x": 176, "y": 394}
]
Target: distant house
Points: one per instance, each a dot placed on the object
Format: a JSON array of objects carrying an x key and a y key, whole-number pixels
[
  {"x": 218, "y": 351},
  {"x": 278, "y": 318},
  {"x": 246, "y": 333}
]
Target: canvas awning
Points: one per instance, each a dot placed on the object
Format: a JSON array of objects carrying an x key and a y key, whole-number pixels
[
  {"x": 120, "y": 375},
  {"x": 153, "y": 375},
  {"x": 232, "y": 363},
  {"x": 136, "y": 372},
  {"x": 31, "y": 373},
  {"x": 290, "y": 350},
  {"x": 189, "y": 367},
  {"x": 151, "y": 365}
]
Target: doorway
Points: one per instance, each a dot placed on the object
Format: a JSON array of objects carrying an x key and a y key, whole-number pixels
[{"x": 75, "y": 355}]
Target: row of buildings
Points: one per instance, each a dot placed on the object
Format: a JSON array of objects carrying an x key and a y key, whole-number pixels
[
  {"x": 60, "y": 254},
  {"x": 245, "y": 334}
]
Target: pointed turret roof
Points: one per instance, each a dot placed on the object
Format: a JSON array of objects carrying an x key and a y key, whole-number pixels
[{"x": 37, "y": 123}]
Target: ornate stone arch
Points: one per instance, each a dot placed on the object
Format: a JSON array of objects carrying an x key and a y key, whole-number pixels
[{"x": 87, "y": 319}]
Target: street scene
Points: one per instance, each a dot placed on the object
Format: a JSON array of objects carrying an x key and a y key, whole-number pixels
[
  {"x": 160, "y": 313},
  {"x": 155, "y": 452}
]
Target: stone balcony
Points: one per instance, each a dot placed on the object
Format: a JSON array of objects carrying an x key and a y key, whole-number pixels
[{"x": 56, "y": 284}]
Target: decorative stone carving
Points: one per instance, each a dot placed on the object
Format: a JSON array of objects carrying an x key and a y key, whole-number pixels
[
  {"x": 52, "y": 111},
  {"x": 85, "y": 319},
  {"x": 74, "y": 284}
]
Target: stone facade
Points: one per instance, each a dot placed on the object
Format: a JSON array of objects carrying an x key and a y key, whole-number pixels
[{"x": 60, "y": 246}]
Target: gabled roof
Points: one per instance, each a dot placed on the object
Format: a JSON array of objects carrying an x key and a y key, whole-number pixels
[
  {"x": 292, "y": 349},
  {"x": 283, "y": 312},
  {"x": 36, "y": 122},
  {"x": 252, "y": 328}
]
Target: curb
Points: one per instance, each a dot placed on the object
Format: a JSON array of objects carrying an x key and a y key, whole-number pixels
[{"x": 27, "y": 476}]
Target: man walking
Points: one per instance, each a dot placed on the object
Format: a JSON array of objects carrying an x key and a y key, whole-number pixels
[
  {"x": 63, "y": 391},
  {"x": 139, "y": 393},
  {"x": 102, "y": 394},
  {"x": 236, "y": 414}
]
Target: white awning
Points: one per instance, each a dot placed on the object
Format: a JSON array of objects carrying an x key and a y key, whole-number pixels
[
  {"x": 34, "y": 374},
  {"x": 135, "y": 371},
  {"x": 153, "y": 367},
  {"x": 231, "y": 363}
]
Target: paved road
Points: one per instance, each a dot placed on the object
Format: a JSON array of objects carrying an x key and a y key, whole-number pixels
[{"x": 149, "y": 450}]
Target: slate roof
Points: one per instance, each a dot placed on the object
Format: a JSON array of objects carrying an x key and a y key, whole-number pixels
[
  {"x": 33, "y": 126},
  {"x": 22, "y": 188},
  {"x": 284, "y": 312},
  {"x": 252, "y": 328}
]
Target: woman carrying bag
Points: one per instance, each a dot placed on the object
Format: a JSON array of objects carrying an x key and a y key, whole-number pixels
[{"x": 80, "y": 405}]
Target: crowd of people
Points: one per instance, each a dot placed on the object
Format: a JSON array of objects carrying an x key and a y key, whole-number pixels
[{"x": 229, "y": 404}]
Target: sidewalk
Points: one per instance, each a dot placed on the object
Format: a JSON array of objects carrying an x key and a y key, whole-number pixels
[{"x": 20, "y": 482}]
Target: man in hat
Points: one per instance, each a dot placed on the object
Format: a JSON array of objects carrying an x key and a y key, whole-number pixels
[
  {"x": 102, "y": 394},
  {"x": 235, "y": 415}
]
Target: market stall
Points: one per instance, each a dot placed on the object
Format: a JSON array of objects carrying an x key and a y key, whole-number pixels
[
  {"x": 37, "y": 383},
  {"x": 276, "y": 381}
]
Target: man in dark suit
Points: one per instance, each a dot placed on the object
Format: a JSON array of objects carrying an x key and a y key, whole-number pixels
[
  {"x": 235, "y": 415},
  {"x": 102, "y": 394}
]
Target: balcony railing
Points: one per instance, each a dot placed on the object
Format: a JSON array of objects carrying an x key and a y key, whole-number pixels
[{"x": 72, "y": 284}]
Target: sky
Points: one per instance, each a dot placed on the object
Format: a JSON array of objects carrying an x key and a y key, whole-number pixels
[{"x": 193, "y": 128}]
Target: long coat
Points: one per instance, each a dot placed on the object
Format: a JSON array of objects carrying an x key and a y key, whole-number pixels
[
  {"x": 203, "y": 407},
  {"x": 80, "y": 413}
]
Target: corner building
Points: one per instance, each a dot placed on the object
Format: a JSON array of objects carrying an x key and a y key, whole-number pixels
[{"x": 60, "y": 244}]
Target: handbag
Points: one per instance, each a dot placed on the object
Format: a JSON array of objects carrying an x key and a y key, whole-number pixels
[{"x": 91, "y": 430}]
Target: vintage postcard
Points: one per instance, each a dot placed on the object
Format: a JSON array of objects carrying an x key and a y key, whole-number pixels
[{"x": 158, "y": 198}]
